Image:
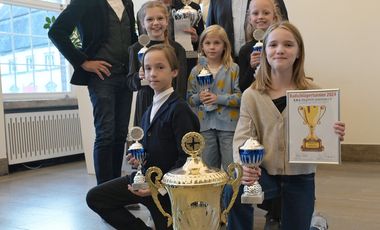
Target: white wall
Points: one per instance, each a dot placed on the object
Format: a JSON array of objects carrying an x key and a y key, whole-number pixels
[
  {"x": 342, "y": 51},
  {"x": 3, "y": 153},
  {"x": 87, "y": 125}
]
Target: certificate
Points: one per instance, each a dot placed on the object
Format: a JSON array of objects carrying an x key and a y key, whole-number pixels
[{"x": 311, "y": 117}]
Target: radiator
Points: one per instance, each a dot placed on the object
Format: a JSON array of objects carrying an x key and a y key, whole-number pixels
[{"x": 36, "y": 136}]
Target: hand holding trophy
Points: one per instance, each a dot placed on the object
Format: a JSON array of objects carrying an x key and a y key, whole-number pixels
[
  {"x": 251, "y": 155},
  {"x": 205, "y": 79},
  {"x": 144, "y": 41},
  {"x": 138, "y": 152}
]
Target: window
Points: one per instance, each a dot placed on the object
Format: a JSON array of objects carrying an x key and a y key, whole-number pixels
[{"x": 29, "y": 62}]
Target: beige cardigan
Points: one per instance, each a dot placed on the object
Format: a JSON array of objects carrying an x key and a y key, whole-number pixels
[{"x": 260, "y": 118}]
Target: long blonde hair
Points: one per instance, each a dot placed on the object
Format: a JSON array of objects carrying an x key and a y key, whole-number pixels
[
  {"x": 218, "y": 31},
  {"x": 249, "y": 28},
  {"x": 263, "y": 80}
]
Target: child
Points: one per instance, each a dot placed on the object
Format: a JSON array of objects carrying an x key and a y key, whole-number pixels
[
  {"x": 194, "y": 31},
  {"x": 263, "y": 116},
  {"x": 261, "y": 14},
  {"x": 164, "y": 124},
  {"x": 155, "y": 19},
  {"x": 217, "y": 126}
]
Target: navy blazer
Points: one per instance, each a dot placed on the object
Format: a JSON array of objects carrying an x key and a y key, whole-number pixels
[
  {"x": 220, "y": 12},
  {"x": 91, "y": 19},
  {"x": 162, "y": 136}
]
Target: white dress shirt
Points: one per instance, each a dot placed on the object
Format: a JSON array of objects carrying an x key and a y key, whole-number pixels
[
  {"x": 239, "y": 12},
  {"x": 159, "y": 100},
  {"x": 118, "y": 7}
]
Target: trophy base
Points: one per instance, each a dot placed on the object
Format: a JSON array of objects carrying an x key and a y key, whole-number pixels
[
  {"x": 312, "y": 145},
  {"x": 137, "y": 186},
  {"x": 252, "y": 199}
]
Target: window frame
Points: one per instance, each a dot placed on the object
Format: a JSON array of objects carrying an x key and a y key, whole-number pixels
[{"x": 41, "y": 5}]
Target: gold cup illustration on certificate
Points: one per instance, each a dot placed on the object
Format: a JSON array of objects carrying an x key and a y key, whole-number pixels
[{"x": 312, "y": 115}]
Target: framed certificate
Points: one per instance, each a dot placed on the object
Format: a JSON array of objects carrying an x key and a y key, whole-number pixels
[{"x": 311, "y": 117}]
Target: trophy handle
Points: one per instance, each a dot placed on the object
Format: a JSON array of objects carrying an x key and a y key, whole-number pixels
[
  {"x": 323, "y": 111},
  {"x": 235, "y": 183},
  {"x": 301, "y": 108},
  {"x": 154, "y": 186},
  {"x": 199, "y": 18},
  {"x": 174, "y": 14}
]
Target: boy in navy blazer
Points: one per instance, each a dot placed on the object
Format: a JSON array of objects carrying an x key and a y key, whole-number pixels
[{"x": 164, "y": 123}]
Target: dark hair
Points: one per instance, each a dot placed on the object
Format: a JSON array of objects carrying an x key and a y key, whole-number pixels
[{"x": 168, "y": 52}]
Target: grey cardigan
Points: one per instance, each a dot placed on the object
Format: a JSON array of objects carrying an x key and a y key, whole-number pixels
[{"x": 260, "y": 118}]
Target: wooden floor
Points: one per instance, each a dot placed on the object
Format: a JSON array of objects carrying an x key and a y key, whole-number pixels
[{"x": 54, "y": 198}]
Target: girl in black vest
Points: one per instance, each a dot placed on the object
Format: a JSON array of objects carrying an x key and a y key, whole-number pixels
[{"x": 155, "y": 19}]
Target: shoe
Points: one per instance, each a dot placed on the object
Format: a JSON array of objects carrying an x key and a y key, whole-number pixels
[
  {"x": 272, "y": 224},
  {"x": 318, "y": 222}
]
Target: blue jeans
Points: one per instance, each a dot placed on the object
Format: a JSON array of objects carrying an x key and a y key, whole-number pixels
[
  {"x": 218, "y": 148},
  {"x": 297, "y": 195},
  {"x": 111, "y": 101}
]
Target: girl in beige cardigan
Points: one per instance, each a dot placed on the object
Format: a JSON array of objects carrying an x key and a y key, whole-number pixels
[{"x": 263, "y": 116}]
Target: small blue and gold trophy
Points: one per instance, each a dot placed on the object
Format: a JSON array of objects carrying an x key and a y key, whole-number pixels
[
  {"x": 251, "y": 155},
  {"x": 144, "y": 41},
  {"x": 258, "y": 35},
  {"x": 138, "y": 152},
  {"x": 205, "y": 80}
]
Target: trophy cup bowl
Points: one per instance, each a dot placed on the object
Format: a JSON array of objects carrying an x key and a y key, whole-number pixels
[
  {"x": 311, "y": 115},
  {"x": 188, "y": 12},
  {"x": 205, "y": 79},
  {"x": 138, "y": 152},
  {"x": 185, "y": 18},
  {"x": 251, "y": 155},
  {"x": 195, "y": 190}
]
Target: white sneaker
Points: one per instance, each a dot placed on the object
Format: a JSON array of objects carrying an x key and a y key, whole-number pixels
[{"x": 318, "y": 222}]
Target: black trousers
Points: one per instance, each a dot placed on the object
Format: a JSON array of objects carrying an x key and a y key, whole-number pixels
[{"x": 110, "y": 198}]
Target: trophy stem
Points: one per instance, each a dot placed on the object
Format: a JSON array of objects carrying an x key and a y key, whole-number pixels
[{"x": 312, "y": 133}]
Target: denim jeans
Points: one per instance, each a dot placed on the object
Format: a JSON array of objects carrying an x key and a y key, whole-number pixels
[
  {"x": 111, "y": 101},
  {"x": 218, "y": 148},
  {"x": 297, "y": 195}
]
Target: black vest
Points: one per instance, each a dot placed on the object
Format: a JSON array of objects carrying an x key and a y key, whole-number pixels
[{"x": 114, "y": 49}]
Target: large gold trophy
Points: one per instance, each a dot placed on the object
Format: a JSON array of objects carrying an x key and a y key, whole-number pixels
[
  {"x": 311, "y": 115},
  {"x": 195, "y": 190}
]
